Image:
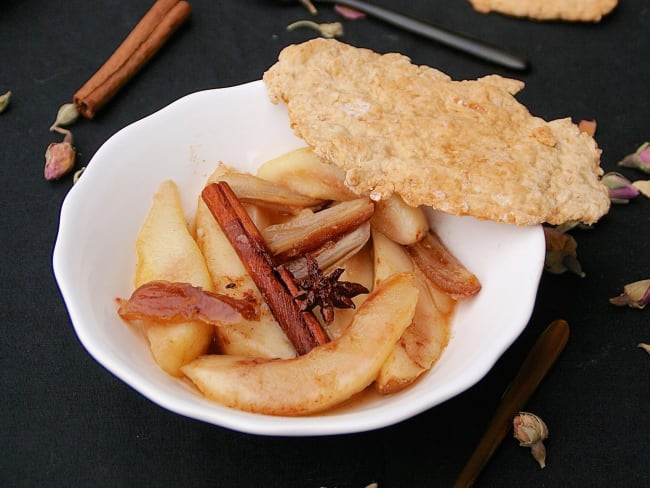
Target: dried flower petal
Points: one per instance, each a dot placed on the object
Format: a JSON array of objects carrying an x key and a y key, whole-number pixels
[
  {"x": 644, "y": 346},
  {"x": 4, "y": 101},
  {"x": 349, "y": 12},
  {"x": 530, "y": 431},
  {"x": 77, "y": 174},
  {"x": 328, "y": 30},
  {"x": 67, "y": 114},
  {"x": 640, "y": 159},
  {"x": 643, "y": 186},
  {"x": 587, "y": 126},
  {"x": 561, "y": 253},
  {"x": 620, "y": 188},
  {"x": 635, "y": 295},
  {"x": 59, "y": 156}
]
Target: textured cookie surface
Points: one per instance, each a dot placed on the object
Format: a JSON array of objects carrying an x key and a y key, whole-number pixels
[
  {"x": 569, "y": 10},
  {"x": 462, "y": 147}
]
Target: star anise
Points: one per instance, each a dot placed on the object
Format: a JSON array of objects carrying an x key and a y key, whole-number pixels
[{"x": 326, "y": 292}]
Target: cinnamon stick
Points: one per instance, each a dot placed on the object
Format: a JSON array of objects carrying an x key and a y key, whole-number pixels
[
  {"x": 301, "y": 326},
  {"x": 146, "y": 38}
]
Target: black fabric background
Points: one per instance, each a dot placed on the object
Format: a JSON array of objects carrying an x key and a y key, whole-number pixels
[{"x": 65, "y": 421}]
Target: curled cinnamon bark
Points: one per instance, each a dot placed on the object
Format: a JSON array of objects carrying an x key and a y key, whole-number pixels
[
  {"x": 301, "y": 327},
  {"x": 146, "y": 38},
  {"x": 179, "y": 302}
]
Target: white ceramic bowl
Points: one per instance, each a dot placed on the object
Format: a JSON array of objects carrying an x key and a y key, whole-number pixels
[{"x": 94, "y": 260}]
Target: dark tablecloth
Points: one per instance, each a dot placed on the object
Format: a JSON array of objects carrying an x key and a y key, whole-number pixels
[{"x": 66, "y": 421}]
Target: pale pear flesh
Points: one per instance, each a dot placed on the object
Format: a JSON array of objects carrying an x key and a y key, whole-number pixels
[
  {"x": 305, "y": 172},
  {"x": 425, "y": 338},
  {"x": 165, "y": 250},
  {"x": 326, "y": 376},
  {"x": 400, "y": 222}
]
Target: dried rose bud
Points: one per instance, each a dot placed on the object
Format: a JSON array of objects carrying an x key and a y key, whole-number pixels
[
  {"x": 620, "y": 188},
  {"x": 328, "y": 30},
  {"x": 640, "y": 159},
  {"x": 531, "y": 431},
  {"x": 561, "y": 253},
  {"x": 59, "y": 157},
  {"x": 635, "y": 295},
  {"x": 4, "y": 101}
]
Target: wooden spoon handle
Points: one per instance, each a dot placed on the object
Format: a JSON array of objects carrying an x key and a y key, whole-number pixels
[{"x": 538, "y": 362}]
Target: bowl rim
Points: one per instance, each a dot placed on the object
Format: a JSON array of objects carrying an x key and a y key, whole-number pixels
[{"x": 328, "y": 423}]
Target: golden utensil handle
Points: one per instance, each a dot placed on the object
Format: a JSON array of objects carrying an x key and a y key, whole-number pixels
[{"x": 538, "y": 362}]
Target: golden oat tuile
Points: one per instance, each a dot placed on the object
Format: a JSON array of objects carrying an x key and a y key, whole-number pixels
[
  {"x": 567, "y": 10},
  {"x": 462, "y": 147}
]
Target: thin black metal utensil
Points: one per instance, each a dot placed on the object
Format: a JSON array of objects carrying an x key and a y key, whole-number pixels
[
  {"x": 538, "y": 362},
  {"x": 456, "y": 40}
]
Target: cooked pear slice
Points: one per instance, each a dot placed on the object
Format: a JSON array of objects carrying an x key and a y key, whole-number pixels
[
  {"x": 421, "y": 344},
  {"x": 423, "y": 341},
  {"x": 165, "y": 250},
  {"x": 303, "y": 171},
  {"x": 444, "y": 270},
  {"x": 262, "y": 338},
  {"x": 252, "y": 189},
  {"x": 324, "y": 377},
  {"x": 400, "y": 222}
]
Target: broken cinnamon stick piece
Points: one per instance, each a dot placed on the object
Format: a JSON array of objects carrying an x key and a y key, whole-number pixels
[
  {"x": 146, "y": 38},
  {"x": 301, "y": 327}
]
